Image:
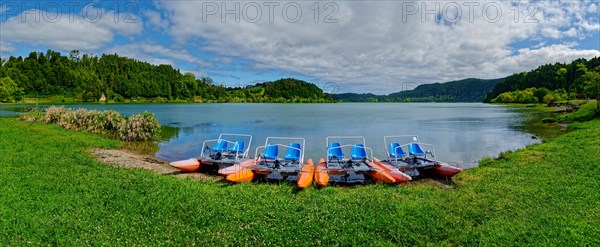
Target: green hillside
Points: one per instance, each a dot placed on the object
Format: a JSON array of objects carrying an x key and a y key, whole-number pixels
[
  {"x": 574, "y": 78},
  {"x": 467, "y": 90},
  {"x": 85, "y": 78}
]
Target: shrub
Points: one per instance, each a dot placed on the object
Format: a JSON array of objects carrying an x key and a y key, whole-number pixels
[{"x": 141, "y": 127}]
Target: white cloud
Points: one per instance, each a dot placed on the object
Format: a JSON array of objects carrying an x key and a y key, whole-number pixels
[
  {"x": 88, "y": 30},
  {"x": 158, "y": 54},
  {"x": 369, "y": 47},
  {"x": 155, "y": 19},
  {"x": 551, "y": 32},
  {"x": 589, "y": 26},
  {"x": 377, "y": 44},
  {"x": 527, "y": 59},
  {"x": 593, "y": 8},
  {"x": 5, "y": 48},
  {"x": 571, "y": 32}
]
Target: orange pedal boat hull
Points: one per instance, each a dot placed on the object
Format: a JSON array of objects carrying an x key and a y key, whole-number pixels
[
  {"x": 189, "y": 165},
  {"x": 236, "y": 168},
  {"x": 305, "y": 178},
  {"x": 445, "y": 170},
  {"x": 382, "y": 176},
  {"x": 399, "y": 177},
  {"x": 243, "y": 175},
  {"x": 321, "y": 175}
]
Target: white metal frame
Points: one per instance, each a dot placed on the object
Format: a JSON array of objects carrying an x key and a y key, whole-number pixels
[
  {"x": 289, "y": 139},
  {"x": 327, "y": 141},
  {"x": 222, "y": 136},
  {"x": 414, "y": 140}
]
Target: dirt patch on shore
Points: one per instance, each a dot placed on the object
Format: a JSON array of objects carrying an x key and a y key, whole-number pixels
[{"x": 128, "y": 159}]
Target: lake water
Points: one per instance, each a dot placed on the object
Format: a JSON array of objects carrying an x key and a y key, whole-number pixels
[{"x": 462, "y": 133}]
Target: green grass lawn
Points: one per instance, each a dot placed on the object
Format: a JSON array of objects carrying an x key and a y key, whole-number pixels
[
  {"x": 586, "y": 111},
  {"x": 53, "y": 192}
]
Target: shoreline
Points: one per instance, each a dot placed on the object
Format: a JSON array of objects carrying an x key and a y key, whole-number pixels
[
  {"x": 55, "y": 184},
  {"x": 129, "y": 159}
]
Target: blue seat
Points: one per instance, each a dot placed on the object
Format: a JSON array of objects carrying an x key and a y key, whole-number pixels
[
  {"x": 334, "y": 150},
  {"x": 238, "y": 147},
  {"x": 415, "y": 149},
  {"x": 220, "y": 147},
  {"x": 359, "y": 152},
  {"x": 271, "y": 152},
  {"x": 293, "y": 153},
  {"x": 396, "y": 151}
]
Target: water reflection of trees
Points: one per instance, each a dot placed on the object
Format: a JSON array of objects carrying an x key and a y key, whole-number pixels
[{"x": 151, "y": 147}]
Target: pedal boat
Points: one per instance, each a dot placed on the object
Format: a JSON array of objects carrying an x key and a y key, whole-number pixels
[
  {"x": 228, "y": 155},
  {"x": 415, "y": 162},
  {"x": 291, "y": 167},
  {"x": 358, "y": 168}
]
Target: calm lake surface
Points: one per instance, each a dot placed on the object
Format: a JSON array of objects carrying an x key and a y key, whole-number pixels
[{"x": 462, "y": 133}]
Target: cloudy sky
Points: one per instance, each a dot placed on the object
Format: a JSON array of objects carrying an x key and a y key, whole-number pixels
[{"x": 359, "y": 46}]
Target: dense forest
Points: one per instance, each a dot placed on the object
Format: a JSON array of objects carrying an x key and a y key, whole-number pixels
[
  {"x": 467, "y": 90},
  {"x": 359, "y": 97},
  {"x": 575, "y": 79},
  {"x": 119, "y": 79},
  {"x": 112, "y": 78}
]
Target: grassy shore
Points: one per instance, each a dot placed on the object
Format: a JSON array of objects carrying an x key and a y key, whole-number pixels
[{"x": 53, "y": 192}]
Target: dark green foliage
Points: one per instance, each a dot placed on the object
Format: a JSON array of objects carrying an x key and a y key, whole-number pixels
[
  {"x": 355, "y": 97},
  {"x": 467, "y": 90},
  {"x": 9, "y": 91},
  {"x": 591, "y": 85},
  {"x": 291, "y": 88},
  {"x": 88, "y": 78},
  {"x": 531, "y": 95},
  {"x": 570, "y": 77}
]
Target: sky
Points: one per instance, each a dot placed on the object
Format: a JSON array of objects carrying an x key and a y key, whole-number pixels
[{"x": 342, "y": 46}]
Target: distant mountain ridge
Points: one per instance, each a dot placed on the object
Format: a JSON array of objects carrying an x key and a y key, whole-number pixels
[{"x": 467, "y": 90}]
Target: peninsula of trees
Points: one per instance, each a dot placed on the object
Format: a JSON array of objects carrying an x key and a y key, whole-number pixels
[{"x": 113, "y": 78}]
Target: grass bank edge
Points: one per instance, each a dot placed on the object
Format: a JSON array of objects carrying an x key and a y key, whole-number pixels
[{"x": 506, "y": 200}]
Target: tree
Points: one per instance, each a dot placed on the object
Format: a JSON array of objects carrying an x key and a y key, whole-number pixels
[
  {"x": 539, "y": 93},
  {"x": 88, "y": 77},
  {"x": 550, "y": 76},
  {"x": 592, "y": 86},
  {"x": 504, "y": 98},
  {"x": 9, "y": 91}
]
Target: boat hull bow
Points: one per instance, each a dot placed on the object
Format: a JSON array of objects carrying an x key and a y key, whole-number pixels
[{"x": 189, "y": 165}]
